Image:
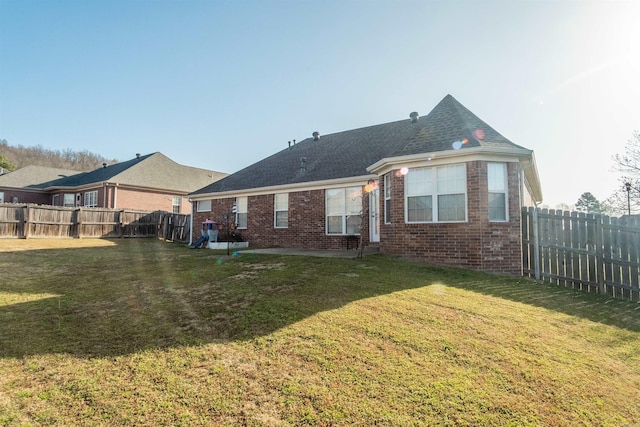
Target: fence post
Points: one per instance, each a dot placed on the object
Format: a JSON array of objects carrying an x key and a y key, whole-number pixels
[
  {"x": 78, "y": 222},
  {"x": 26, "y": 225},
  {"x": 599, "y": 254},
  {"x": 536, "y": 244}
]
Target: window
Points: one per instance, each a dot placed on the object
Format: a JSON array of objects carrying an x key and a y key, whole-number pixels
[
  {"x": 91, "y": 199},
  {"x": 387, "y": 198},
  {"x": 203, "y": 206},
  {"x": 343, "y": 210},
  {"x": 497, "y": 182},
  {"x": 177, "y": 201},
  {"x": 69, "y": 200},
  {"x": 1, "y": 196},
  {"x": 281, "y": 210},
  {"x": 436, "y": 194},
  {"x": 452, "y": 189},
  {"x": 241, "y": 212}
]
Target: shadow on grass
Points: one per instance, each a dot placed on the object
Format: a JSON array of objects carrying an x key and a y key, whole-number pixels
[{"x": 143, "y": 294}]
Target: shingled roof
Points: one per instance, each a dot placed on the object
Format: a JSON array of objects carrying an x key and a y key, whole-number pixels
[
  {"x": 34, "y": 177},
  {"x": 349, "y": 153},
  {"x": 154, "y": 171}
]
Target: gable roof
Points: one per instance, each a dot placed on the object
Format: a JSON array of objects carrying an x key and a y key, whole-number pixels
[
  {"x": 34, "y": 177},
  {"x": 349, "y": 153},
  {"x": 150, "y": 171}
]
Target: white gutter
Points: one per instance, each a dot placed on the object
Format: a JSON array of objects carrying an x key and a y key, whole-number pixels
[
  {"x": 523, "y": 156},
  {"x": 302, "y": 186}
]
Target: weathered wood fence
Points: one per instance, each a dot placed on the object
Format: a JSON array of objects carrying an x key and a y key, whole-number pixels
[
  {"x": 593, "y": 253},
  {"x": 39, "y": 221}
]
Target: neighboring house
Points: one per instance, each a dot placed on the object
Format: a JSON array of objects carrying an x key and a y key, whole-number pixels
[
  {"x": 446, "y": 188},
  {"x": 150, "y": 182},
  {"x": 27, "y": 184}
]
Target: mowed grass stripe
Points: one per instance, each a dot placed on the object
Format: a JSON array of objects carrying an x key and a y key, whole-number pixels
[{"x": 143, "y": 332}]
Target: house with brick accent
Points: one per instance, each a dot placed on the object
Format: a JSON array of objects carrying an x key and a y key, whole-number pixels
[
  {"x": 446, "y": 188},
  {"x": 150, "y": 182}
]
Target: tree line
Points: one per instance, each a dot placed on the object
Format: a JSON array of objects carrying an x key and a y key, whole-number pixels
[{"x": 16, "y": 157}]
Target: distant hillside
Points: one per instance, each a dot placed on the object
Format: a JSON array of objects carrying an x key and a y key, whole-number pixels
[{"x": 16, "y": 157}]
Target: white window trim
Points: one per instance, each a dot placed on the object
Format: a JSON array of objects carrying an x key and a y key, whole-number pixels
[
  {"x": 434, "y": 196},
  {"x": 205, "y": 209},
  {"x": 242, "y": 207},
  {"x": 505, "y": 192},
  {"x": 348, "y": 191},
  {"x": 64, "y": 200},
  {"x": 277, "y": 209},
  {"x": 387, "y": 197},
  {"x": 91, "y": 199},
  {"x": 174, "y": 204}
]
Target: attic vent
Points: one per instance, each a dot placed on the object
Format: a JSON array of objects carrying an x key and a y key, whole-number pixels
[
  {"x": 414, "y": 117},
  {"x": 303, "y": 165},
  {"x": 137, "y": 155},
  {"x": 104, "y": 165},
  {"x": 316, "y": 136}
]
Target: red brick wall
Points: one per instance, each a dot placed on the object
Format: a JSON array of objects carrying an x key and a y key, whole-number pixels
[
  {"x": 147, "y": 200},
  {"x": 477, "y": 244},
  {"x": 26, "y": 197},
  {"x": 126, "y": 198},
  {"x": 306, "y": 227}
]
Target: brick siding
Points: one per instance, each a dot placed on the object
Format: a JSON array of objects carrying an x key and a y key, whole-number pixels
[
  {"x": 306, "y": 227},
  {"x": 476, "y": 244}
]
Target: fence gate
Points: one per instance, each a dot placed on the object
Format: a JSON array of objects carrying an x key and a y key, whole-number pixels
[{"x": 593, "y": 253}]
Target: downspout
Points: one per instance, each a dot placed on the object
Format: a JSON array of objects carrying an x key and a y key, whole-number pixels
[
  {"x": 193, "y": 209},
  {"x": 104, "y": 195},
  {"x": 115, "y": 194}
]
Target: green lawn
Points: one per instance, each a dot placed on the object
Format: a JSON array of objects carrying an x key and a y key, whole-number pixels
[{"x": 144, "y": 332}]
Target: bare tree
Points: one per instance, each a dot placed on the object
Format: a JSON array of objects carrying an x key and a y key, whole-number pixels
[{"x": 627, "y": 197}]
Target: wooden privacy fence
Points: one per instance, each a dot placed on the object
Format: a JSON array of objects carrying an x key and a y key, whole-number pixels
[
  {"x": 593, "y": 253},
  {"x": 34, "y": 221}
]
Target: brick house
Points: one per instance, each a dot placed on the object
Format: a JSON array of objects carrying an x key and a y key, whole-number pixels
[
  {"x": 446, "y": 188},
  {"x": 151, "y": 182}
]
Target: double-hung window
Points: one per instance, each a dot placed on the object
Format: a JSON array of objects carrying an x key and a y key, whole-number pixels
[
  {"x": 69, "y": 200},
  {"x": 281, "y": 210},
  {"x": 203, "y": 206},
  {"x": 241, "y": 212},
  {"x": 91, "y": 199},
  {"x": 497, "y": 183},
  {"x": 175, "y": 204},
  {"x": 343, "y": 210},
  {"x": 387, "y": 198},
  {"x": 436, "y": 194}
]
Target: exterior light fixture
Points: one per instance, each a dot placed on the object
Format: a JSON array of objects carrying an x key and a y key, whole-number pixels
[{"x": 627, "y": 186}]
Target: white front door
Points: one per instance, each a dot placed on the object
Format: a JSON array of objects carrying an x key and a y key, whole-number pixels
[{"x": 374, "y": 216}]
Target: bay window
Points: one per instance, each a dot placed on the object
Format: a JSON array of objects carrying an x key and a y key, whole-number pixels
[
  {"x": 437, "y": 194},
  {"x": 497, "y": 183}
]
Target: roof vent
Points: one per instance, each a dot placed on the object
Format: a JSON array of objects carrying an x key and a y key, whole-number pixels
[
  {"x": 414, "y": 117},
  {"x": 137, "y": 155},
  {"x": 303, "y": 165},
  {"x": 104, "y": 165},
  {"x": 316, "y": 136}
]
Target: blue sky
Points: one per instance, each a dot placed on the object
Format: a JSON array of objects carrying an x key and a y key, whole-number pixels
[{"x": 223, "y": 84}]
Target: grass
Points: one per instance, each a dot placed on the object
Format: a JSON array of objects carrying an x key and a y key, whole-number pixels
[{"x": 143, "y": 332}]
